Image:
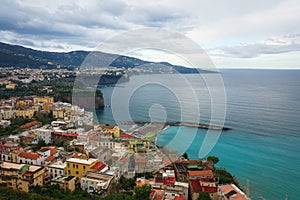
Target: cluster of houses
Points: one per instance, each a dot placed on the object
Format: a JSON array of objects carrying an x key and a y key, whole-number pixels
[{"x": 79, "y": 154}]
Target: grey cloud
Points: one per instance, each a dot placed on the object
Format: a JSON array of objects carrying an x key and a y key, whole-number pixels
[{"x": 270, "y": 46}]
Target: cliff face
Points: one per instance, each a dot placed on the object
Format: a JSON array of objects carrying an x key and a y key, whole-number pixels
[{"x": 83, "y": 100}]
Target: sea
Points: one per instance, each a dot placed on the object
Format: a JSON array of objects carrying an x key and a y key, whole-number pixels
[{"x": 262, "y": 108}]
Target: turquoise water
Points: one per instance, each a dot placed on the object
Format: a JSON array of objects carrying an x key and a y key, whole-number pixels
[{"x": 263, "y": 146}]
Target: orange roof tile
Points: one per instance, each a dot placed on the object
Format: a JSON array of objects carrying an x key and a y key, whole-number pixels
[
  {"x": 50, "y": 158},
  {"x": 239, "y": 194},
  {"x": 200, "y": 173},
  {"x": 28, "y": 125},
  {"x": 30, "y": 155}
]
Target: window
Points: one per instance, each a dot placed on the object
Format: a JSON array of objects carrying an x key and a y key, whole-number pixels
[
  {"x": 83, "y": 167},
  {"x": 77, "y": 172},
  {"x": 69, "y": 171}
]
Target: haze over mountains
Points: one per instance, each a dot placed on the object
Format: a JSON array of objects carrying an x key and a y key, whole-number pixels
[{"x": 19, "y": 56}]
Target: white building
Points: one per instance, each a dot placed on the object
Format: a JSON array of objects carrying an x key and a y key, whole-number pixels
[
  {"x": 95, "y": 182},
  {"x": 31, "y": 158},
  {"x": 43, "y": 134},
  {"x": 56, "y": 169}
]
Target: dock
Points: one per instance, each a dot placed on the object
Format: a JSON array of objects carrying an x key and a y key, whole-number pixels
[{"x": 187, "y": 124}]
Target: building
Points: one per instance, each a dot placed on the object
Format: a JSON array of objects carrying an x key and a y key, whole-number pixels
[
  {"x": 59, "y": 137},
  {"x": 11, "y": 86},
  {"x": 114, "y": 130},
  {"x": 21, "y": 176},
  {"x": 44, "y": 134},
  {"x": 56, "y": 169},
  {"x": 6, "y": 112},
  {"x": 197, "y": 174},
  {"x": 47, "y": 106},
  {"x": 4, "y": 123},
  {"x": 77, "y": 166},
  {"x": 65, "y": 182},
  {"x": 231, "y": 192},
  {"x": 31, "y": 158},
  {"x": 97, "y": 183},
  {"x": 30, "y": 125},
  {"x": 26, "y": 113},
  {"x": 46, "y": 99}
]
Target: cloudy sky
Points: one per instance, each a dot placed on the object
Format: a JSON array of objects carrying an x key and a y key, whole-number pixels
[{"x": 234, "y": 33}]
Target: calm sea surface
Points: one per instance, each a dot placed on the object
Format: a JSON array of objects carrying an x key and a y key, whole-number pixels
[{"x": 263, "y": 147}]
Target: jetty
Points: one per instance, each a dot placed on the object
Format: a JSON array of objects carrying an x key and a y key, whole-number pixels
[{"x": 187, "y": 124}]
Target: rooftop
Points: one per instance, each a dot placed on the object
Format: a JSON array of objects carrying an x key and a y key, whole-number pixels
[
  {"x": 233, "y": 192},
  {"x": 30, "y": 155},
  {"x": 200, "y": 173},
  {"x": 82, "y": 161}
]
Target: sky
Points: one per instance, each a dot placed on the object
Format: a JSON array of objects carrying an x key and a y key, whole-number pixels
[{"x": 235, "y": 34}]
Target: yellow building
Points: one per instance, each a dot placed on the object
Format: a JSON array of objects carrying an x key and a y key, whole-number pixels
[
  {"x": 11, "y": 86},
  {"x": 77, "y": 166},
  {"x": 115, "y": 130},
  {"x": 47, "y": 106},
  {"x": 25, "y": 113},
  {"x": 20, "y": 103},
  {"x": 60, "y": 113},
  {"x": 43, "y": 100},
  {"x": 14, "y": 156},
  {"x": 21, "y": 176}
]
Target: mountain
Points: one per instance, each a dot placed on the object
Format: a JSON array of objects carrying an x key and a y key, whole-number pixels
[{"x": 19, "y": 56}]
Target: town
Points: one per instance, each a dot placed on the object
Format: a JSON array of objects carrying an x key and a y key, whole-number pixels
[{"x": 48, "y": 143}]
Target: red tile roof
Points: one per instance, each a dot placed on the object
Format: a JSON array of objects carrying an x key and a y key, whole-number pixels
[
  {"x": 28, "y": 125},
  {"x": 99, "y": 166},
  {"x": 200, "y": 173},
  {"x": 126, "y": 136},
  {"x": 170, "y": 181},
  {"x": 30, "y": 155},
  {"x": 179, "y": 198},
  {"x": 27, "y": 174},
  {"x": 197, "y": 188},
  {"x": 66, "y": 134},
  {"x": 50, "y": 158}
]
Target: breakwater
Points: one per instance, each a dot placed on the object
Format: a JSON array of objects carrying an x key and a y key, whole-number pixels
[{"x": 187, "y": 124}]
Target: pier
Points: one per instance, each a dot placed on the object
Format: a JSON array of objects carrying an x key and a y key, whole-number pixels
[{"x": 187, "y": 124}]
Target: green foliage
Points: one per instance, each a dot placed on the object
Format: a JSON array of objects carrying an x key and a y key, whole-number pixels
[
  {"x": 147, "y": 175},
  {"x": 46, "y": 118},
  {"x": 40, "y": 144},
  {"x": 225, "y": 177},
  {"x": 119, "y": 197},
  {"x": 127, "y": 184},
  {"x": 142, "y": 193},
  {"x": 10, "y": 194},
  {"x": 204, "y": 196},
  {"x": 14, "y": 127},
  {"x": 55, "y": 192},
  {"x": 213, "y": 159}
]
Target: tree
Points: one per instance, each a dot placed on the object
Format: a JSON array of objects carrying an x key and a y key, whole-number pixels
[
  {"x": 185, "y": 155},
  {"x": 39, "y": 144},
  {"x": 204, "y": 196},
  {"x": 213, "y": 159},
  {"x": 127, "y": 183},
  {"x": 143, "y": 192},
  {"x": 225, "y": 177}
]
